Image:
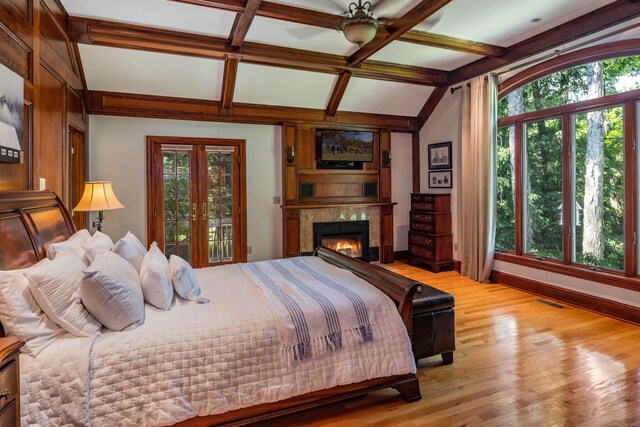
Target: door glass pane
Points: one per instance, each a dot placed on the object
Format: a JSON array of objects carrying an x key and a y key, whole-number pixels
[
  {"x": 505, "y": 197},
  {"x": 598, "y": 211},
  {"x": 543, "y": 188},
  {"x": 220, "y": 197},
  {"x": 176, "y": 202}
]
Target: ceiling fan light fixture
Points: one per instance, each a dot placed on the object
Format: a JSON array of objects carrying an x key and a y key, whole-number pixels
[{"x": 360, "y": 27}]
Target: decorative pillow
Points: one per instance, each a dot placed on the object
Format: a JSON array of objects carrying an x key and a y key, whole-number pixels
[
  {"x": 131, "y": 249},
  {"x": 75, "y": 242},
  {"x": 21, "y": 316},
  {"x": 110, "y": 289},
  {"x": 156, "y": 285},
  {"x": 183, "y": 276},
  {"x": 98, "y": 242},
  {"x": 55, "y": 288}
]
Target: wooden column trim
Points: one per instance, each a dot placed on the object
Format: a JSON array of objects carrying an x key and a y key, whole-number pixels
[
  {"x": 398, "y": 27},
  {"x": 567, "y": 189},
  {"x": 338, "y": 92},
  {"x": 431, "y": 104},
  {"x": 630, "y": 187},
  {"x": 242, "y": 23},
  {"x": 415, "y": 161},
  {"x": 229, "y": 82}
]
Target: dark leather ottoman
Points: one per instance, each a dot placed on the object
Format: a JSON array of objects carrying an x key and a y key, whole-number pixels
[{"x": 433, "y": 325}]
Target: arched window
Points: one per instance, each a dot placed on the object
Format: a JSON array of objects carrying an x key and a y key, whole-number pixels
[{"x": 567, "y": 161}]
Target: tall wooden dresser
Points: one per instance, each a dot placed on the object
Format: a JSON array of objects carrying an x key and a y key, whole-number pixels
[{"x": 430, "y": 239}]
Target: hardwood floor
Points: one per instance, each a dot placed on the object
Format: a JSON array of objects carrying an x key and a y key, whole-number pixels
[{"x": 518, "y": 362}]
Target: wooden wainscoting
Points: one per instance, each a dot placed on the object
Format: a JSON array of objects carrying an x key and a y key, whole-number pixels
[{"x": 519, "y": 361}]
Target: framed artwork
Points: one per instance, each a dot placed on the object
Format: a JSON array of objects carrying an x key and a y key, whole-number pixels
[
  {"x": 11, "y": 115},
  {"x": 440, "y": 155},
  {"x": 440, "y": 179}
]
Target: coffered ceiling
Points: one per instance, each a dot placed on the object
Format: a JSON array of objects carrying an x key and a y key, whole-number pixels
[{"x": 291, "y": 54}]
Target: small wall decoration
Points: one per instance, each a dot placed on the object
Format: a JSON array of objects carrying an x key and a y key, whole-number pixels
[
  {"x": 440, "y": 155},
  {"x": 11, "y": 115},
  {"x": 440, "y": 179}
]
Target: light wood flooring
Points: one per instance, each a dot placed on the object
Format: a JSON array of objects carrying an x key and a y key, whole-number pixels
[{"x": 518, "y": 362}]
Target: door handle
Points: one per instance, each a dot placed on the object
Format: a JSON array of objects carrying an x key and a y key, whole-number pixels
[
  {"x": 204, "y": 211},
  {"x": 194, "y": 215}
]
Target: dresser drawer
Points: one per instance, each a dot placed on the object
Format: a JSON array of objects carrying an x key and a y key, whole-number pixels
[
  {"x": 422, "y": 226},
  {"x": 421, "y": 252},
  {"x": 431, "y": 202},
  {"x": 423, "y": 206},
  {"x": 8, "y": 415},
  {"x": 422, "y": 240},
  {"x": 426, "y": 198},
  {"x": 421, "y": 217},
  {"x": 8, "y": 383}
]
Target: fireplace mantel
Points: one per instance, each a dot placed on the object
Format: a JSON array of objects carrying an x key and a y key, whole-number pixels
[{"x": 338, "y": 205}]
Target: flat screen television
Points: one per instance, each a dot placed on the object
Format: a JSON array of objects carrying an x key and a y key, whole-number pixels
[{"x": 344, "y": 145}]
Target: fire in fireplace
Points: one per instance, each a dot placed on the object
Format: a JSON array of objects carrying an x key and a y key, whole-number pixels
[{"x": 349, "y": 237}]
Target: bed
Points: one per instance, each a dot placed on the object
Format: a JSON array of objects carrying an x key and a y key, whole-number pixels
[{"x": 141, "y": 376}]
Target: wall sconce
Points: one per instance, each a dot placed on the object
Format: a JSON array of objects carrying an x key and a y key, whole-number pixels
[
  {"x": 98, "y": 196},
  {"x": 386, "y": 158},
  {"x": 291, "y": 155}
]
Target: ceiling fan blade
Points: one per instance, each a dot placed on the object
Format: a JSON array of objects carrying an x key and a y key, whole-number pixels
[
  {"x": 431, "y": 21},
  {"x": 379, "y": 5},
  {"x": 341, "y": 7},
  {"x": 305, "y": 33}
]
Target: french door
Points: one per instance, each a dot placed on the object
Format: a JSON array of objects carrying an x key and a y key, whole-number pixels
[{"x": 196, "y": 192}]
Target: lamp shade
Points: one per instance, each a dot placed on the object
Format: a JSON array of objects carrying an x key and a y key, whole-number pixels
[{"x": 98, "y": 196}]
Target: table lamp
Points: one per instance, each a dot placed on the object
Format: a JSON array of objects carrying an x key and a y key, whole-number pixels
[{"x": 98, "y": 196}]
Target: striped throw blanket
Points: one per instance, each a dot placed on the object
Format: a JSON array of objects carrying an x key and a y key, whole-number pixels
[{"x": 315, "y": 312}]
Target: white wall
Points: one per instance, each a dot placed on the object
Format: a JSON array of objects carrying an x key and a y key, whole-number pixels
[
  {"x": 117, "y": 153},
  {"x": 401, "y": 186},
  {"x": 442, "y": 126}
]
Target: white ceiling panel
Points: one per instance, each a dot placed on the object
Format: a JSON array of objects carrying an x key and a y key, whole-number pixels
[
  {"x": 298, "y": 36},
  {"x": 423, "y": 56},
  {"x": 505, "y": 22},
  {"x": 256, "y": 84},
  {"x": 134, "y": 71},
  {"x": 376, "y": 96},
  {"x": 156, "y": 13}
]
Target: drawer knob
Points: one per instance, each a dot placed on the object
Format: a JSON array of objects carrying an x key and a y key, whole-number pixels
[{"x": 5, "y": 394}]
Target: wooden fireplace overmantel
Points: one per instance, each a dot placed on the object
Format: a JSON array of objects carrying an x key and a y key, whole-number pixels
[{"x": 338, "y": 205}]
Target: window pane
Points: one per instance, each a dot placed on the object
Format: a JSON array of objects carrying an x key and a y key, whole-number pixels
[
  {"x": 543, "y": 188},
  {"x": 599, "y": 189},
  {"x": 220, "y": 200},
  {"x": 505, "y": 198},
  {"x": 568, "y": 86}
]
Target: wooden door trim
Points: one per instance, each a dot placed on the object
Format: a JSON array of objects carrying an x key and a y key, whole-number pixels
[{"x": 153, "y": 190}]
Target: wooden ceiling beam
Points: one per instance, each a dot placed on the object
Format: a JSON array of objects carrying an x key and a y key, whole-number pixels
[
  {"x": 598, "y": 20},
  {"x": 300, "y": 15},
  {"x": 165, "y": 107},
  {"x": 230, "y": 5},
  {"x": 338, "y": 92},
  {"x": 243, "y": 22},
  {"x": 452, "y": 43},
  {"x": 129, "y": 36},
  {"x": 229, "y": 82},
  {"x": 398, "y": 27},
  {"x": 431, "y": 104}
]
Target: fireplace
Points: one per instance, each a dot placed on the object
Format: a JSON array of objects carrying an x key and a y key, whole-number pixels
[{"x": 348, "y": 237}]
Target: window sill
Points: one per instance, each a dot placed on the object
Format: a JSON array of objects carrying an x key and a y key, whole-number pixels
[{"x": 579, "y": 272}]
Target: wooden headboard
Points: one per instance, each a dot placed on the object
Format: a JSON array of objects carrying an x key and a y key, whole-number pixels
[{"x": 29, "y": 222}]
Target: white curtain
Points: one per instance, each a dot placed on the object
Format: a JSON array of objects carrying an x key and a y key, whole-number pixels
[{"x": 478, "y": 186}]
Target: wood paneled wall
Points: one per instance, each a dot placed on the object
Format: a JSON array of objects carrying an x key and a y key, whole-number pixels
[
  {"x": 332, "y": 187},
  {"x": 35, "y": 45}
]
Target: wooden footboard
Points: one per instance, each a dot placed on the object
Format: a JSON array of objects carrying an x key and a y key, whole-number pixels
[{"x": 399, "y": 288}]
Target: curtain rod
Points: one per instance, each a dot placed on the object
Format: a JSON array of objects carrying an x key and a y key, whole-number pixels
[{"x": 558, "y": 52}]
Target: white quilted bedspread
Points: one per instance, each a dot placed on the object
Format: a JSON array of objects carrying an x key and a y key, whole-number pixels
[{"x": 198, "y": 359}]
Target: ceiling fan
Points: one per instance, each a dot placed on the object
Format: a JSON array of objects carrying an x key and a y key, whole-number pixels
[{"x": 359, "y": 24}]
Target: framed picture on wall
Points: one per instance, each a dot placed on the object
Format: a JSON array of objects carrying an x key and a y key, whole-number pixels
[
  {"x": 440, "y": 179},
  {"x": 11, "y": 115},
  {"x": 440, "y": 155}
]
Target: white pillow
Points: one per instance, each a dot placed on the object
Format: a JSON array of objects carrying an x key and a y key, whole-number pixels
[
  {"x": 55, "y": 288},
  {"x": 98, "y": 242},
  {"x": 131, "y": 249},
  {"x": 156, "y": 285},
  {"x": 21, "y": 316},
  {"x": 75, "y": 242},
  {"x": 183, "y": 276},
  {"x": 110, "y": 289}
]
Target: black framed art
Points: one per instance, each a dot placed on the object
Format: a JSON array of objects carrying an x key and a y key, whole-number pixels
[
  {"x": 440, "y": 155},
  {"x": 440, "y": 179}
]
